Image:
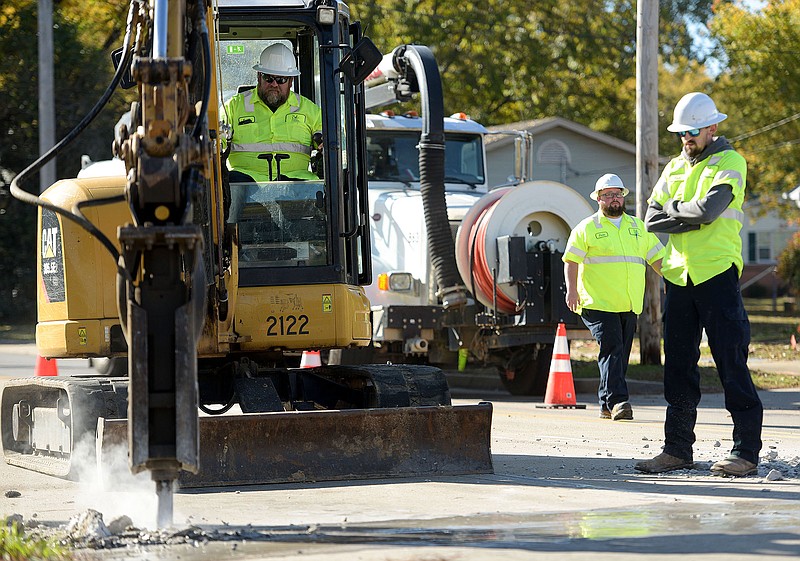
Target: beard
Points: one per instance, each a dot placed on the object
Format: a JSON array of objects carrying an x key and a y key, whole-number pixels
[
  {"x": 272, "y": 97},
  {"x": 692, "y": 150},
  {"x": 614, "y": 210}
]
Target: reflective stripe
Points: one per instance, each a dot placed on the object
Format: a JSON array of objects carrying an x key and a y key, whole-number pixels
[
  {"x": 614, "y": 259},
  {"x": 733, "y": 214},
  {"x": 653, "y": 252},
  {"x": 715, "y": 159},
  {"x": 729, "y": 174},
  {"x": 661, "y": 188},
  {"x": 247, "y": 98},
  {"x": 560, "y": 365},
  {"x": 575, "y": 251},
  {"x": 263, "y": 147}
]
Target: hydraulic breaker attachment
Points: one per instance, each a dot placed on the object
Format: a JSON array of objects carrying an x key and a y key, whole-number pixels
[{"x": 333, "y": 445}]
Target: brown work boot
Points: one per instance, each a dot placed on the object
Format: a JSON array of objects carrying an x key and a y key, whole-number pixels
[
  {"x": 622, "y": 412},
  {"x": 605, "y": 413},
  {"x": 735, "y": 466},
  {"x": 662, "y": 463}
]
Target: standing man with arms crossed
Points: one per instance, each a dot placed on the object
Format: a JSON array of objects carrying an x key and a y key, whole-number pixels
[
  {"x": 698, "y": 202},
  {"x": 604, "y": 267}
]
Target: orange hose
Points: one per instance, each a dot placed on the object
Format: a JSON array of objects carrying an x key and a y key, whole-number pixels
[{"x": 483, "y": 278}]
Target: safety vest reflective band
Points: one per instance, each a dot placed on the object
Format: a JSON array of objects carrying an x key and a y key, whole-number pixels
[
  {"x": 704, "y": 253},
  {"x": 258, "y": 130},
  {"x": 612, "y": 262},
  {"x": 614, "y": 259},
  {"x": 273, "y": 147}
]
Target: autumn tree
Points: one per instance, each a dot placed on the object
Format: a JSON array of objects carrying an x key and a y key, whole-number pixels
[
  {"x": 84, "y": 33},
  {"x": 760, "y": 87}
]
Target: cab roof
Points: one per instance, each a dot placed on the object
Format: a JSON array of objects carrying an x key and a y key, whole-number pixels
[{"x": 404, "y": 122}]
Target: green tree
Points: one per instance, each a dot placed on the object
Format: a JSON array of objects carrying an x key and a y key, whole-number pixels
[
  {"x": 760, "y": 88},
  {"x": 509, "y": 60},
  {"x": 84, "y": 33}
]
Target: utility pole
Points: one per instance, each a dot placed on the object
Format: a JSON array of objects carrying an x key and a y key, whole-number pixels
[
  {"x": 647, "y": 163},
  {"x": 47, "y": 111}
]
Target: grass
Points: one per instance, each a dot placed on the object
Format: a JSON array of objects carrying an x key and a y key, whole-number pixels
[
  {"x": 15, "y": 546},
  {"x": 771, "y": 326}
]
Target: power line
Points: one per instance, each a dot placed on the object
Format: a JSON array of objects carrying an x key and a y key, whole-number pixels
[{"x": 766, "y": 128}]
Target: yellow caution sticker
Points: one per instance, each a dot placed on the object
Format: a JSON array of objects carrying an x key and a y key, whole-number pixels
[
  {"x": 327, "y": 303},
  {"x": 82, "y": 339}
]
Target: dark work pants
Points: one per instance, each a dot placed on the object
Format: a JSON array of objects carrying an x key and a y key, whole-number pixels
[
  {"x": 614, "y": 332},
  {"x": 715, "y": 305}
]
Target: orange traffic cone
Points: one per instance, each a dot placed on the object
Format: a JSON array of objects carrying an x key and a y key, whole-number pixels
[
  {"x": 560, "y": 387},
  {"x": 310, "y": 359},
  {"x": 46, "y": 367}
]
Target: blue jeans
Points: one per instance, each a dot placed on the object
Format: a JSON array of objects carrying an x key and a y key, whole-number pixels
[
  {"x": 715, "y": 305},
  {"x": 614, "y": 333}
]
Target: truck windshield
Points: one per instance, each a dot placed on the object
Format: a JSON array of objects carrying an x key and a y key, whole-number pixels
[
  {"x": 281, "y": 223},
  {"x": 394, "y": 156}
]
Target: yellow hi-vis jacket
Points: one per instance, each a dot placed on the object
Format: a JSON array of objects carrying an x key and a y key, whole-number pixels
[
  {"x": 612, "y": 262},
  {"x": 704, "y": 253},
  {"x": 257, "y": 130}
]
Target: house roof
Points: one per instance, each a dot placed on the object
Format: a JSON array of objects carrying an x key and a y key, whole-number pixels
[{"x": 538, "y": 126}]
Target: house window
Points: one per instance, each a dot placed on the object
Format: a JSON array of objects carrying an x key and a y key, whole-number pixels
[{"x": 765, "y": 247}]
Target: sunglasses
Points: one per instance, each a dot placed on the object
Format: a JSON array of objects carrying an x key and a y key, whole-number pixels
[
  {"x": 610, "y": 196},
  {"x": 692, "y": 132},
  {"x": 277, "y": 79}
]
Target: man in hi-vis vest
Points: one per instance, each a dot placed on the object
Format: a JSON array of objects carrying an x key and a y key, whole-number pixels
[
  {"x": 604, "y": 267},
  {"x": 698, "y": 202},
  {"x": 273, "y": 127}
]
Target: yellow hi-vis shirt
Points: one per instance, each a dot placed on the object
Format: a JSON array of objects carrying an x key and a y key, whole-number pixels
[
  {"x": 711, "y": 250},
  {"x": 612, "y": 262},
  {"x": 257, "y": 130}
]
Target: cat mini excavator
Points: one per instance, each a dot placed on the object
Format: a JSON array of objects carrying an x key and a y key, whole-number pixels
[{"x": 213, "y": 288}]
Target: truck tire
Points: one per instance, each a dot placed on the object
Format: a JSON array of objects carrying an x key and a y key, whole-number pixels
[{"x": 532, "y": 378}]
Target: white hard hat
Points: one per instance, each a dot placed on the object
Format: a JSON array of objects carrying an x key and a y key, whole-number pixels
[
  {"x": 277, "y": 60},
  {"x": 608, "y": 181},
  {"x": 694, "y": 111}
]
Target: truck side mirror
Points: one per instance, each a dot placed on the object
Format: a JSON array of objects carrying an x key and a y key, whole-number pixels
[{"x": 361, "y": 61}]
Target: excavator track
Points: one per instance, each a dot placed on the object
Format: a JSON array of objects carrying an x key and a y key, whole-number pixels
[{"x": 406, "y": 427}]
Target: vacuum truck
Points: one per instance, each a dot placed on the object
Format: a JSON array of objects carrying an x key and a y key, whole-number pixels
[{"x": 507, "y": 243}]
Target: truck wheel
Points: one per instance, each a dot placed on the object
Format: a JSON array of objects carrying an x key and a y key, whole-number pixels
[{"x": 531, "y": 379}]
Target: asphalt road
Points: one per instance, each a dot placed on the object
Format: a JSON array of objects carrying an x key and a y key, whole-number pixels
[{"x": 563, "y": 484}]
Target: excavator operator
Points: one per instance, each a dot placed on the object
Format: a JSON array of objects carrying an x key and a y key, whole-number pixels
[{"x": 275, "y": 130}]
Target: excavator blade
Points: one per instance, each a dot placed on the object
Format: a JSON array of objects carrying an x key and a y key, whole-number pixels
[{"x": 335, "y": 445}]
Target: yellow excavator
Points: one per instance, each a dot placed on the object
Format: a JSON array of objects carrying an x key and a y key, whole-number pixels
[{"x": 213, "y": 288}]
